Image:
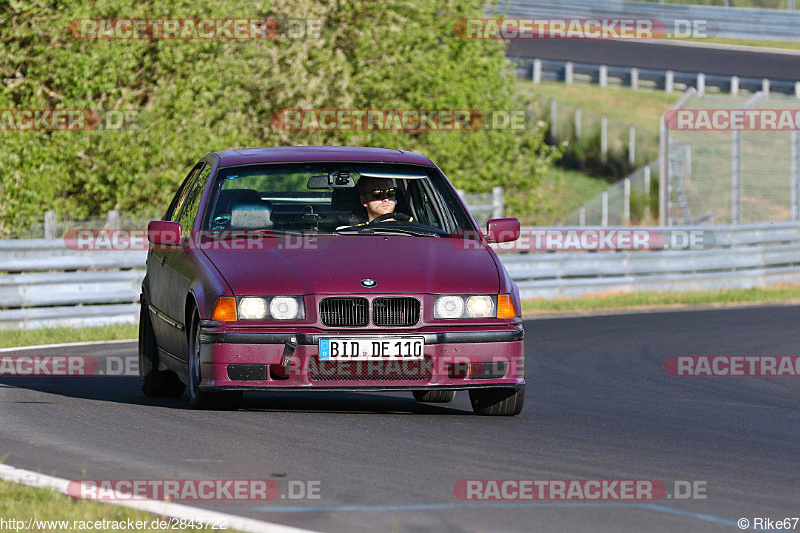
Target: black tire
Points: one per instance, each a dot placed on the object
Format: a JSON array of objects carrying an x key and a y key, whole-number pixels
[
  {"x": 434, "y": 396},
  {"x": 154, "y": 382},
  {"x": 501, "y": 401},
  {"x": 213, "y": 401}
]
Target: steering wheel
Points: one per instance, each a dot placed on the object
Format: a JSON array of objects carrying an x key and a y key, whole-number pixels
[{"x": 400, "y": 217}]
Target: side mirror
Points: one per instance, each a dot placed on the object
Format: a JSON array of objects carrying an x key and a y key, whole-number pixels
[
  {"x": 502, "y": 230},
  {"x": 164, "y": 233}
]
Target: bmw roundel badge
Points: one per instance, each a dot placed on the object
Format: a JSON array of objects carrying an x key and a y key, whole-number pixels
[{"x": 368, "y": 283}]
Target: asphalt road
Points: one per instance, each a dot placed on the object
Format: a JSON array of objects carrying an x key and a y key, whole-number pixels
[
  {"x": 661, "y": 56},
  {"x": 599, "y": 406}
]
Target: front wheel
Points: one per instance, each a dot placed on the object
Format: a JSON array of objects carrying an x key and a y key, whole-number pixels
[
  {"x": 217, "y": 401},
  {"x": 501, "y": 401},
  {"x": 434, "y": 396},
  {"x": 154, "y": 382}
]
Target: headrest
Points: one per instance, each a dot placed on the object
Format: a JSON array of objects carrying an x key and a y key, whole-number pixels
[{"x": 251, "y": 215}]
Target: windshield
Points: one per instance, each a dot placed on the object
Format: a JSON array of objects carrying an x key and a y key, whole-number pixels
[{"x": 276, "y": 198}]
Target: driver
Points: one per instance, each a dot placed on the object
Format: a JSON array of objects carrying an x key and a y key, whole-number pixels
[{"x": 377, "y": 195}]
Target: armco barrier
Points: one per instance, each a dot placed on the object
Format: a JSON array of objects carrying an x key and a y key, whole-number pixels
[
  {"x": 45, "y": 284},
  {"x": 743, "y": 23},
  {"x": 743, "y": 256}
]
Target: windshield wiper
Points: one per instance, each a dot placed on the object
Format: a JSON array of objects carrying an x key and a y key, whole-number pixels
[
  {"x": 223, "y": 235},
  {"x": 383, "y": 230}
]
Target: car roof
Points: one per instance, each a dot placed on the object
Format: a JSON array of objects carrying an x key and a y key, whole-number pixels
[{"x": 247, "y": 156}]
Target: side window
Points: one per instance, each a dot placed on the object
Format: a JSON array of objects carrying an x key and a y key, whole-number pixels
[
  {"x": 421, "y": 204},
  {"x": 193, "y": 200},
  {"x": 174, "y": 210}
]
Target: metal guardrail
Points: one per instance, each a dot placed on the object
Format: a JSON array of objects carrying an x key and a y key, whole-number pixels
[
  {"x": 743, "y": 257},
  {"x": 102, "y": 287},
  {"x": 668, "y": 80},
  {"x": 744, "y": 23}
]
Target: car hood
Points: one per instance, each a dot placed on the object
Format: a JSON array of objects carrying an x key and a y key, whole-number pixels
[{"x": 338, "y": 264}]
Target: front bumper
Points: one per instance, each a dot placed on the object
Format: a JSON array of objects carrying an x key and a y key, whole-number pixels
[{"x": 260, "y": 359}]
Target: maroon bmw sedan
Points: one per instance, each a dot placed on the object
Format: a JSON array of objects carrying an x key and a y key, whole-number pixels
[{"x": 328, "y": 268}]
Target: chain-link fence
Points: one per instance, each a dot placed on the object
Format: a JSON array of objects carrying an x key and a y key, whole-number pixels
[
  {"x": 595, "y": 142},
  {"x": 721, "y": 174},
  {"x": 631, "y": 201}
]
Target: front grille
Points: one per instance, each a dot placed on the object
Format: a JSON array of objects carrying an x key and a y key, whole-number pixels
[
  {"x": 344, "y": 312},
  {"x": 395, "y": 311},
  {"x": 417, "y": 370}
]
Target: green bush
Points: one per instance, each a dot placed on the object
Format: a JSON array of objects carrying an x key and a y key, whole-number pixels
[{"x": 193, "y": 97}]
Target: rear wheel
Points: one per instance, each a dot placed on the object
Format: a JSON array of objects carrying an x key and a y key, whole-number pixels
[
  {"x": 217, "y": 400},
  {"x": 501, "y": 401},
  {"x": 434, "y": 396},
  {"x": 154, "y": 382}
]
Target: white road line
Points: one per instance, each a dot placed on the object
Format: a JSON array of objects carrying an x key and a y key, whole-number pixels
[
  {"x": 66, "y": 344},
  {"x": 721, "y": 46},
  {"x": 166, "y": 509}
]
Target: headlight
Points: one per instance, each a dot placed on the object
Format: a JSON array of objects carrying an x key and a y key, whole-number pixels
[
  {"x": 480, "y": 306},
  {"x": 465, "y": 306},
  {"x": 283, "y": 308},
  {"x": 449, "y": 307},
  {"x": 271, "y": 308},
  {"x": 252, "y": 308}
]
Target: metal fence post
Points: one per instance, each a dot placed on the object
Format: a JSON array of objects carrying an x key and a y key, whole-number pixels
[
  {"x": 568, "y": 73},
  {"x": 663, "y": 171},
  {"x": 736, "y": 177},
  {"x": 634, "y": 78},
  {"x": 497, "y": 202},
  {"x": 604, "y": 212},
  {"x": 797, "y": 89},
  {"x": 113, "y": 220},
  {"x": 795, "y": 185},
  {"x": 577, "y": 123},
  {"x": 647, "y": 193},
  {"x": 553, "y": 118},
  {"x": 603, "y": 76},
  {"x": 669, "y": 81},
  {"x": 604, "y": 138},
  {"x": 49, "y": 224},
  {"x": 537, "y": 71},
  {"x": 626, "y": 201},
  {"x": 632, "y": 145},
  {"x": 734, "y": 85},
  {"x": 701, "y": 83},
  {"x": 765, "y": 85}
]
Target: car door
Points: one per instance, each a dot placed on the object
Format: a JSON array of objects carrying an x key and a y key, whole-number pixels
[
  {"x": 167, "y": 328},
  {"x": 181, "y": 266}
]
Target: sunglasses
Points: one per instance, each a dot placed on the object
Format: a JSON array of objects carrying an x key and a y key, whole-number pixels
[{"x": 379, "y": 193}]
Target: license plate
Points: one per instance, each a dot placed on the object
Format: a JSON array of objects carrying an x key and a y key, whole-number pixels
[{"x": 367, "y": 348}]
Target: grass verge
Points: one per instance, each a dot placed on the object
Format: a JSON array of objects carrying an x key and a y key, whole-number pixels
[
  {"x": 653, "y": 300},
  {"x": 641, "y": 107},
  {"x": 563, "y": 191},
  {"x": 30, "y": 337},
  {"x": 21, "y": 503},
  {"x": 758, "y": 43}
]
